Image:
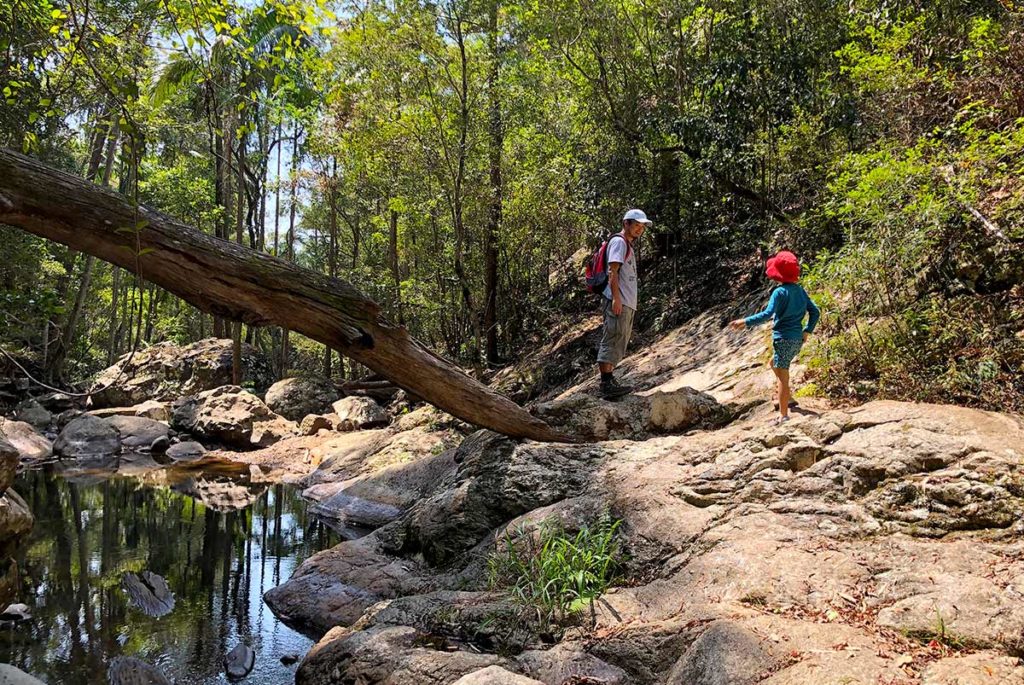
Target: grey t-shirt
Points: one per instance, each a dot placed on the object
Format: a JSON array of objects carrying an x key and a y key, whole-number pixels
[{"x": 617, "y": 252}]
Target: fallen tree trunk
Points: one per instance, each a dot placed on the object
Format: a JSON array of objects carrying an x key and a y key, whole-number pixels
[{"x": 235, "y": 282}]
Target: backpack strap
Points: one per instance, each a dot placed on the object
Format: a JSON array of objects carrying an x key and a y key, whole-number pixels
[{"x": 629, "y": 248}]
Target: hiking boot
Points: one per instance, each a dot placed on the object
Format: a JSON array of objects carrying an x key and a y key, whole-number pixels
[{"x": 612, "y": 389}]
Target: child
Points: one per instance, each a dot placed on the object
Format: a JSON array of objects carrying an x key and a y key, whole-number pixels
[{"x": 788, "y": 304}]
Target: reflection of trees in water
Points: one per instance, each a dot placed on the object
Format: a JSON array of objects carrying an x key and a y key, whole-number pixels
[{"x": 88, "y": 535}]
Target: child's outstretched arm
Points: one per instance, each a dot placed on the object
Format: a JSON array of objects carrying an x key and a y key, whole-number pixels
[{"x": 764, "y": 315}]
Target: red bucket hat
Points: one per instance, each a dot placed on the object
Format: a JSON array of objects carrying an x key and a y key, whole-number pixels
[{"x": 783, "y": 267}]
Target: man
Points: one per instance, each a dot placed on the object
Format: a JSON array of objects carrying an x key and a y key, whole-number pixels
[{"x": 619, "y": 304}]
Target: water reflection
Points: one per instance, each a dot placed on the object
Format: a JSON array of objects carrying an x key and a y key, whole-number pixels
[{"x": 218, "y": 564}]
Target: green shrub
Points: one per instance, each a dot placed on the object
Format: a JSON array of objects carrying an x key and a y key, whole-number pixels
[{"x": 552, "y": 574}]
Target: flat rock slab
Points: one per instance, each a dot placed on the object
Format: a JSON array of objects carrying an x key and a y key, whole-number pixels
[
  {"x": 239, "y": 661},
  {"x": 149, "y": 592},
  {"x": 131, "y": 671}
]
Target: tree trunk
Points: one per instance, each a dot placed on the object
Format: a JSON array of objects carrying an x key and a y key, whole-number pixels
[
  {"x": 243, "y": 284},
  {"x": 396, "y": 273},
  {"x": 115, "y": 294},
  {"x": 495, "y": 141},
  {"x": 236, "y": 336}
]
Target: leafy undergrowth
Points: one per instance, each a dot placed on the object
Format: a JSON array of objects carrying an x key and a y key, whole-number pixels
[{"x": 553, "y": 575}]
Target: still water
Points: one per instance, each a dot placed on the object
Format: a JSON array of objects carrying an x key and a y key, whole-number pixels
[{"x": 218, "y": 559}]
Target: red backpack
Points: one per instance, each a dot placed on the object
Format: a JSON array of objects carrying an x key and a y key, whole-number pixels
[{"x": 596, "y": 269}]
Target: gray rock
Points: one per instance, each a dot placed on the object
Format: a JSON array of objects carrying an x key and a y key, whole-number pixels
[
  {"x": 148, "y": 592},
  {"x": 725, "y": 654},
  {"x": 186, "y": 451},
  {"x": 9, "y": 675},
  {"x": 31, "y": 445},
  {"x": 166, "y": 371},
  {"x": 357, "y": 413},
  {"x": 294, "y": 398},
  {"x": 138, "y": 431},
  {"x": 88, "y": 436},
  {"x": 30, "y": 411},
  {"x": 498, "y": 479},
  {"x": 239, "y": 661},
  {"x": 289, "y": 659},
  {"x": 160, "y": 445},
  {"x": 131, "y": 671}
]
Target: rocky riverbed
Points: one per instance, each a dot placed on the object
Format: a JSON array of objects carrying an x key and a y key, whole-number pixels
[{"x": 874, "y": 544}]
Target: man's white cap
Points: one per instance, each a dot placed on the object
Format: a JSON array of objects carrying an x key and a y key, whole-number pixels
[{"x": 637, "y": 215}]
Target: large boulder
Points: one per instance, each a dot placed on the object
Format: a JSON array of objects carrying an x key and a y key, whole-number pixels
[
  {"x": 231, "y": 416},
  {"x": 294, "y": 398},
  {"x": 498, "y": 479},
  {"x": 167, "y": 371},
  {"x": 137, "y": 431},
  {"x": 30, "y": 444},
  {"x": 88, "y": 437},
  {"x": 357, "y": 413}
]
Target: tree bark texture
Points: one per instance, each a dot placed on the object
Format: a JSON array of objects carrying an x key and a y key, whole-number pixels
[{"x": 236, "y": 282}]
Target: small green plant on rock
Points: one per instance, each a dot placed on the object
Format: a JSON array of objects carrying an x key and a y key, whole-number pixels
[{"x": 552, "y": 574}]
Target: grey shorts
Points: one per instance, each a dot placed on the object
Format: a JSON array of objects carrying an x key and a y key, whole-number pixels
[{"x": 617, "y": 330}]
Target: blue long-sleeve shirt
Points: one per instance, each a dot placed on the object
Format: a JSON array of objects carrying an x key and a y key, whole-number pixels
[{"x": 788, "y": 304}]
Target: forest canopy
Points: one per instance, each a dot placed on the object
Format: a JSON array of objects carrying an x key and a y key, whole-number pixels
[{"x": 455, "y": 160}]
